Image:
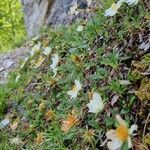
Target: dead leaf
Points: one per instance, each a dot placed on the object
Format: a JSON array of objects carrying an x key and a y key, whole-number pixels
[
  {"x": 114, "y": 99},
  {"x": 71, "y": 120},
  {"x": 39, "y": 62}
]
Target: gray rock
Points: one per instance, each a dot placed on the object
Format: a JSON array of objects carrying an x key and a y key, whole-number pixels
[
  {"x": 8, "y": 63},
  {"x": 1, "y": 69},
  {"x": 40, "y": 13},
  {"x": 35, "y": 12},
  {"x": 4, "y": 123}
]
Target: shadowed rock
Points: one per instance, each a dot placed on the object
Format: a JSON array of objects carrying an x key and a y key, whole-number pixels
[
  {"x": 43, "y": 12},
  {"x": 39, "y": 13}
]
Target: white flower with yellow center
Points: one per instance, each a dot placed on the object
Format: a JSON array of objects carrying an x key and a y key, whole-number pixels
[
  {"x": 96, "y": 104},
  {"x": 76, "y": 88},
  {"x": 119, "y": 136},
  {"x": 131, "y": 2},
  {"x": 47, "y": 51},
  {"x": 80, "y": 28},
  {"x": 55, "y": 61},
  {"x": 113, "y": 9}
]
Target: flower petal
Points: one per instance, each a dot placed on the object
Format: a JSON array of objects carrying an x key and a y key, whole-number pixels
[
  {"x": 110, "y": 12},
  {"x": 130, "y": 2},
  {"x": 17, "y": 78},
  {"x": 47, "y": 51},
  {"x": 73, "y": 8},
  {"x": 96, "y": 104},
  {"x": 16, "y": 141},
  {"x": 129, "y": 143},
  {"x": 120, "y": 120},
  {"x": 80, "y": 28},
  {"x": 113, "y": 9},
  {"x": 132, "y": 129},
  {"x": 35, "y": 49},
  {"x": 55, "y": 60},
  {"x": 72, "y": 94},
  {"x": 111, "y": 134},
  {"x": 114, "y": 145},
  {"x": 78, "y": 84}
]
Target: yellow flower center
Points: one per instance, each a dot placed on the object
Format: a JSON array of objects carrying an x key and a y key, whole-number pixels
[
  {"x": 114, "y": 7},
  {"x": 76, "y": 59},
  {"x": 122, "y": 133},
  {"x": 89, "y": 135}
]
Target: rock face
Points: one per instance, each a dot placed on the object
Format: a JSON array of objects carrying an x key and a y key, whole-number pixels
[
  {"x": 43, "y": 12},
  {"x": 39, "y": 13},
  {"x": 10, "y": 61}
]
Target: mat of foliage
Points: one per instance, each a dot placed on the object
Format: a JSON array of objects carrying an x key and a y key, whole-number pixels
[{"x": 106, "y": 56}]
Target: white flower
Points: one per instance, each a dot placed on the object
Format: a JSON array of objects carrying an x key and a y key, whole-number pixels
[
  {"x": 55, "y": 61},
  {"x": 130, "y": 2},
  {"x": 80, "y": 28},
  {"x": 119, "y": 136},
  {"x": 17, "y": 78},
  {"x": 35, "y": 49},
  {"x": 16, "y": 141},
  {"x": 113, "y": 9},
  {"x": 47, "y": 51},
  {"x": 76, "y": 88},
  {"x": 24, "y": 62},
  {"x": 73, "y": 9},
  {"x": 96, "y": 104}
]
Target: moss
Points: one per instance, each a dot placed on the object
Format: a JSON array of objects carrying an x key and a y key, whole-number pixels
[
  {"x": 135, "y": 75},
  {"x": 147, "y": 140},
  {"x": 140, "y": 68},
  {"x": 143, "y": 92}
]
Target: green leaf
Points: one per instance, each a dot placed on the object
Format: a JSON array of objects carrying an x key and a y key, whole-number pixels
[{"x": 125, "y": 146}]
